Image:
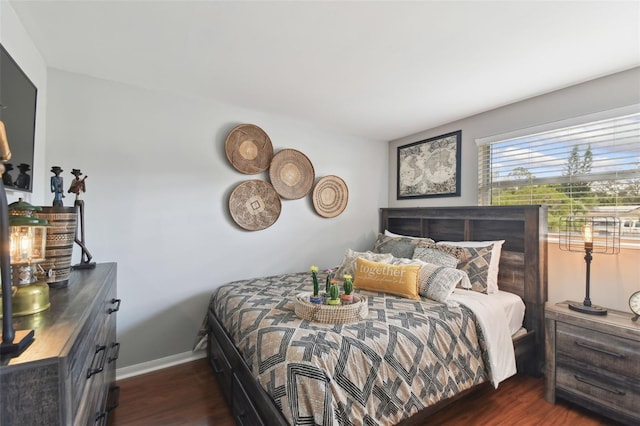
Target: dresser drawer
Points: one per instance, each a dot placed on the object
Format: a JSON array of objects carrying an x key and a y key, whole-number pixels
[
  {"x": 600, "y": 350},
  {"x": 88, "y": 357},
  {"x": 94, "y": 401},
  {"x": 91, "y": 409},
  {"x": 85, "y": 356},
  {"x": 242, "y": 407},
  {"x": 599, "y": 388},
  {"x": 221, "y": 367}
]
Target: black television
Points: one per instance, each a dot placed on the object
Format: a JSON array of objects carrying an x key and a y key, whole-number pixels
[{"x": 18, "y": 96}]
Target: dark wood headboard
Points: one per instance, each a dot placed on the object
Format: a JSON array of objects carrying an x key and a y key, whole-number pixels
[{"x": 523, "y": 263}]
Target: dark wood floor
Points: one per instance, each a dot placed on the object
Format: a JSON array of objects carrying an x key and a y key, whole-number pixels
[{"x": 188, "y": 394}]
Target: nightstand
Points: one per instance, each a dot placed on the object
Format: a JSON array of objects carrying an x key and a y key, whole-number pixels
[{"x": 593, "y": 361}]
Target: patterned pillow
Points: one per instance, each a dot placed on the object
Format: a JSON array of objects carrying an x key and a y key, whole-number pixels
[
  {"x": 399, "y": 246},
  {"x": 433, "y": 255},
  {"x": 492, "y": 280},
  {"x": 437, "y": 282},
  {"x": 476, "y": 265},
  {"x": 401, "y": 280},
  {"x": 450, "y": 249},
  {"x": 348, "y": 265}
]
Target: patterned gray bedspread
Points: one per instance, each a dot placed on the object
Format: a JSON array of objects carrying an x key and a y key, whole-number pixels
[{"x": 405, "y": 356}]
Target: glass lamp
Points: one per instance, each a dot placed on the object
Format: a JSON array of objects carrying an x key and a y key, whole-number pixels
[
  {"x": 27, "y": 235},
  {"x": 589, "y": 234},
  {"x": 14, "y": 342}
]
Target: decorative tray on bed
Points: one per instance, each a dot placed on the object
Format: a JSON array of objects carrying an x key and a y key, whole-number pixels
[{"x": 332, "y": 314}]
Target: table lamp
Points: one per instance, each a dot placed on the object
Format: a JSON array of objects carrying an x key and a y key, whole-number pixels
[
  {"x": 27, "y": 235},
  {"x": 589, "y": 234},
  {"x": 13, "y": 342}
]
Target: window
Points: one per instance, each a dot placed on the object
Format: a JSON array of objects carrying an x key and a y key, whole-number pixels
[{"x": 588, "y": 165}]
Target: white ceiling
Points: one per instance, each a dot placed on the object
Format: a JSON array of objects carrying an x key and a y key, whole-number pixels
[{"x": 377, "y": 69}]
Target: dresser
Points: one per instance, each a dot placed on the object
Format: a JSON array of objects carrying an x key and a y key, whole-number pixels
[
  {"x": 594, "y": 361},
  {"x": 67, "y": 375}
]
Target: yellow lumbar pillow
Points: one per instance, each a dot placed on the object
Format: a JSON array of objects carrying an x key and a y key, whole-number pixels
[{"x": 401, "y": 280}]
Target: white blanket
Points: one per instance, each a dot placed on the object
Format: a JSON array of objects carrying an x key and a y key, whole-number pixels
[{"x": 494, "y": 325}]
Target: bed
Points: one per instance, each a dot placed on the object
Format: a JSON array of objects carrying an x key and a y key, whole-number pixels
[{"x": 263, "y": 386}]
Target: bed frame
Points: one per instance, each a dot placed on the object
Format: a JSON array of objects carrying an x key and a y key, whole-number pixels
[
  {"x": 523, "y": 271},
  {"x": 523, "y": 262}
]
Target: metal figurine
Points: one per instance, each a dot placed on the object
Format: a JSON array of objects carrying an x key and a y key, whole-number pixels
[
  {"x": 6, "y": 176},
  {"x": 56, "y": 186},
  {"x": 24, "y": 180},
  {"x": 77, "y": 187}
]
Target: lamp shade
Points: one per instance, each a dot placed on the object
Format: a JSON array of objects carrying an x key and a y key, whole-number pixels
[
  {"x": 28, "y": 234},
  {"x": 600, "y": 234},
  {"x": 589, "y": 234}
]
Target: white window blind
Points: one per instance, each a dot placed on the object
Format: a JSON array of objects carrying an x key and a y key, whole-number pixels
[{"x": 589, "y": 165}]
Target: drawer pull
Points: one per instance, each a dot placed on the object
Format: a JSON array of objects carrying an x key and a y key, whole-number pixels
[
  {"x": 598, "y": 385},
  {"x": 597, "y": 349},
  {"x": 113, "y": 401},
  {"x": 114, "y": 346},
  {"x": 114, "y": 398},
  {"x": 117, "y": 308},
  {"x": 99, "y": 349},
  {"x": 216, "y": 368}
]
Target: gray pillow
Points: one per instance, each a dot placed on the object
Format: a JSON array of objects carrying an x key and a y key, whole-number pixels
[
  {"x": 433, "y": 255},
  {"x": 436, "y": 282},
  {"x": 399, "y": 246}
]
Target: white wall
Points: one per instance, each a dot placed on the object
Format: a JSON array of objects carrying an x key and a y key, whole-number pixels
[
  {"x": 158, "y": 184},
  {"x": 614, "y": 278},
  {"x": 19, "y": 45},
  {"x": 156, "y": 202}
]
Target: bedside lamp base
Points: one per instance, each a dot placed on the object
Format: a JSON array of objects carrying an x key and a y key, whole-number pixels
[{"x": 591, "y": 310}]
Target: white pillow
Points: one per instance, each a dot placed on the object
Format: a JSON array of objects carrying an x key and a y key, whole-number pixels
[
  {"x": 492, "y": 277},
  {"x": 391, "y": 234},
  {"x": 348, "y": 265}
]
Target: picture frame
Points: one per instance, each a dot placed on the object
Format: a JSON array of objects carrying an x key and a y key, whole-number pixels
[{"x": 430, "y": 167}]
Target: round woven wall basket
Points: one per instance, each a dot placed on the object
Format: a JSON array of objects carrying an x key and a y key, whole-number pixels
[
  {"x": 254, "y": 205},
  {"x": 330, "y": 196},
  {"x": 331, "y": 314},
  {"x": 249, "y": 149},
  {"x": 291, "y": 174}
]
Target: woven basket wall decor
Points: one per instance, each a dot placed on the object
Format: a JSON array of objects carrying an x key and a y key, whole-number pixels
[
  {"x": 249, "y": 149},
  {"x": 330, "y": 196},
  {"x": 291, "y": 174},
  {"x": 254, "y": 205}
]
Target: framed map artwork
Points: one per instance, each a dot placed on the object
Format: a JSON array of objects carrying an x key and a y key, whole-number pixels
[{"x": 430, "y": 168}]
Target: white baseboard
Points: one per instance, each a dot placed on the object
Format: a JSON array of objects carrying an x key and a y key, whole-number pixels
[{"x": 158, "y": 364}]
